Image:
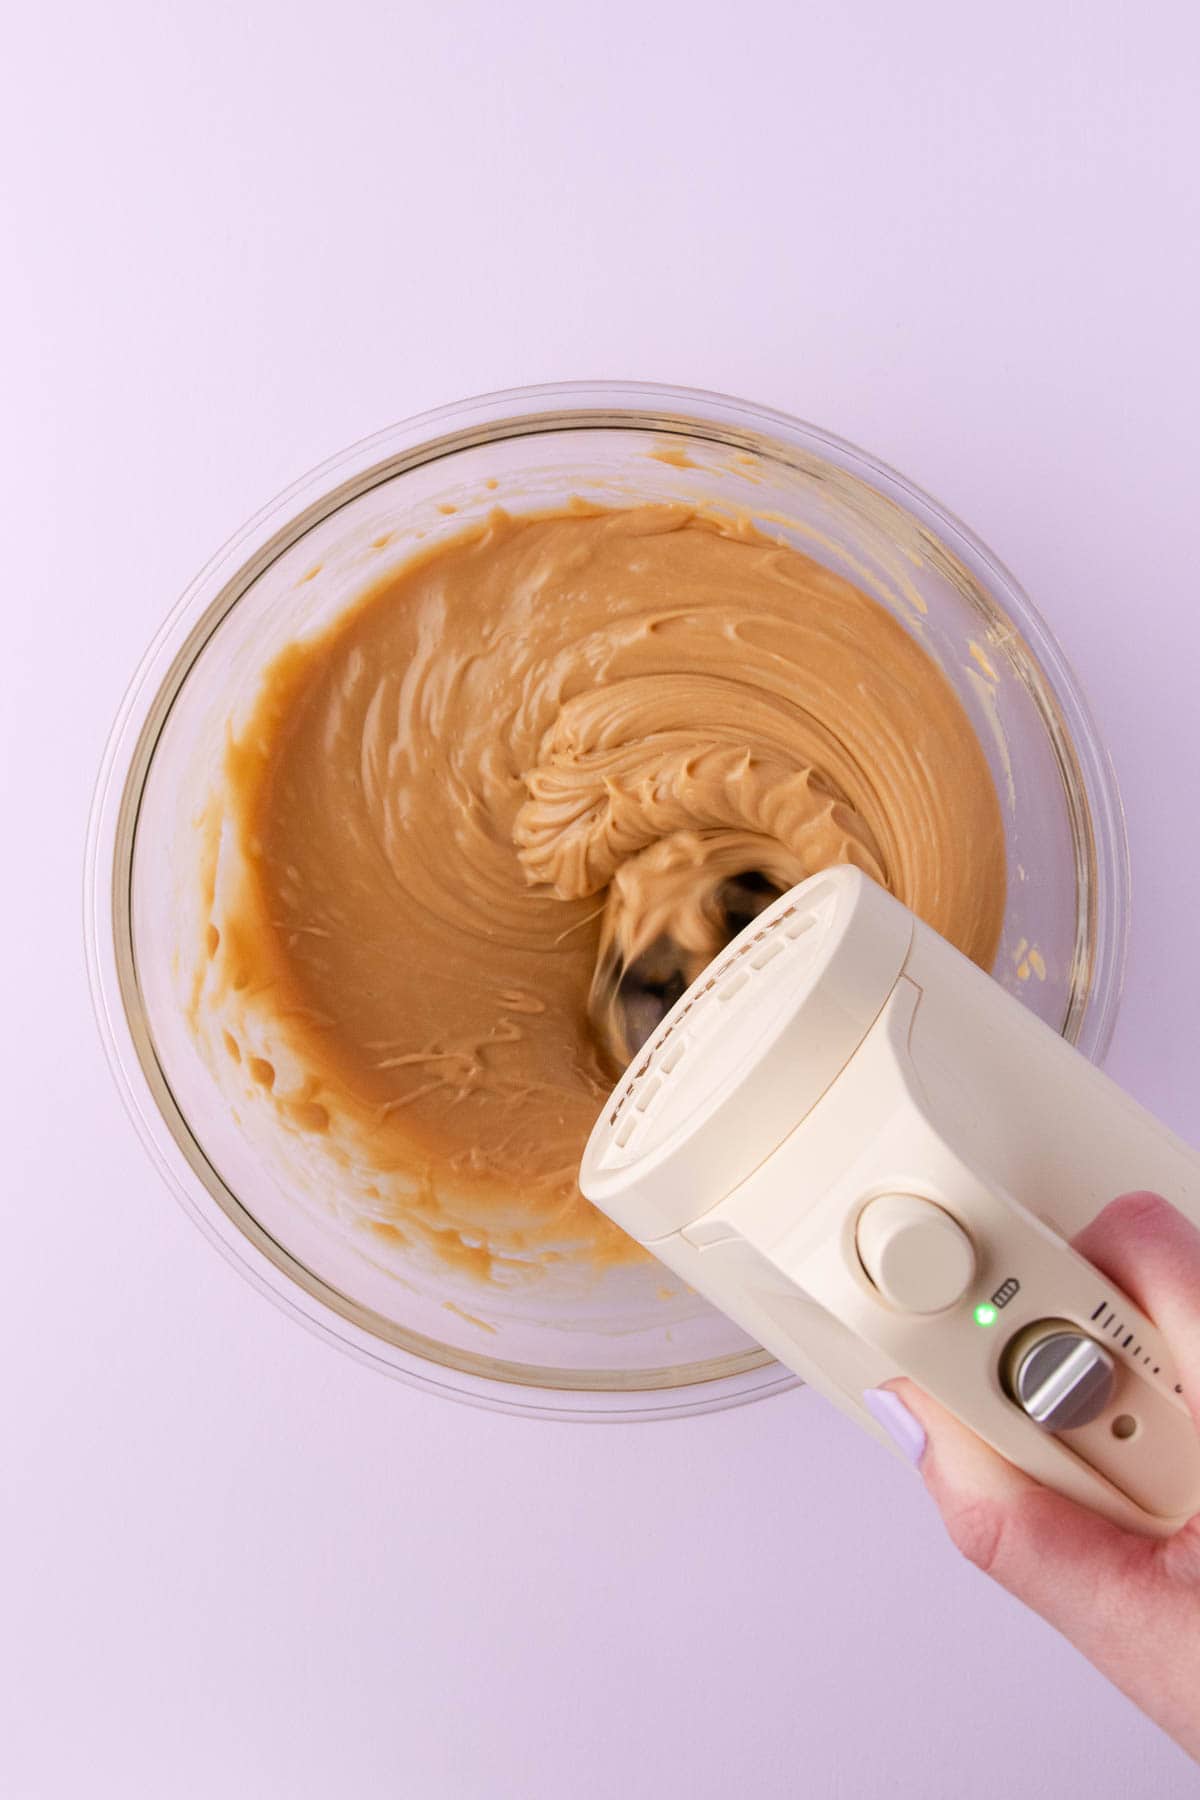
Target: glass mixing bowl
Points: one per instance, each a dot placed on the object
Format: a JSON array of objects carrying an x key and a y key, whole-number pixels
[{"x": 577, "y": 1345}]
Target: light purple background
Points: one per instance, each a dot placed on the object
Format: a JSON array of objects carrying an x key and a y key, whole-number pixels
[{"x": 240, "y": 1564}]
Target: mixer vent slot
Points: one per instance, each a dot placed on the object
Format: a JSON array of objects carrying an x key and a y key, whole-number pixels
[{"x": 641, "y": 1096}]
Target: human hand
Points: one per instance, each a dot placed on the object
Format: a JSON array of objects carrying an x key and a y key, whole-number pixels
[{"x": 1131, "y": 1604}]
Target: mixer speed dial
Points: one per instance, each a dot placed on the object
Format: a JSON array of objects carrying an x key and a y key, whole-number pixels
[{"x": 1059, "y": 1375}]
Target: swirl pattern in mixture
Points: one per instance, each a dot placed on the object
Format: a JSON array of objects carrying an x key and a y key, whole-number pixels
[{"x": 542, "y": 751}]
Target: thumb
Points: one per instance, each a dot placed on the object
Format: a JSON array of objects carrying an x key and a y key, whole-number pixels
[{"x": 1152, "y": 1251}]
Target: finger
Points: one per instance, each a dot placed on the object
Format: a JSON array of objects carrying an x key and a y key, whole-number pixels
[
  {"x": 1066, "y": 1562},
  {"x": 1113, "y": 1594},
  {"x": 1152, "y": 1252}
]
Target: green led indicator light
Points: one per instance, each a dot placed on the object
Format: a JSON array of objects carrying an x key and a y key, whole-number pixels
[{"x": 985, "y": 1314}]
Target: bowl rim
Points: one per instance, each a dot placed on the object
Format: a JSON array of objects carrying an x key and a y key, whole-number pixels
[{"x": 1098, "y": 829}]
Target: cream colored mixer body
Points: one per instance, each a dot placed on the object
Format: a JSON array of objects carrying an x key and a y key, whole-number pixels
[{"x": 867, "y": 1154}]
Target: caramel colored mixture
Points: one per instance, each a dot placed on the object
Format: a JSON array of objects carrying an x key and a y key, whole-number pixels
[{"x": 541, "y": 751}]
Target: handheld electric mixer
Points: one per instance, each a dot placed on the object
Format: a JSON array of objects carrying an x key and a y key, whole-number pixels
[{"x": 867, "y": 1154}]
